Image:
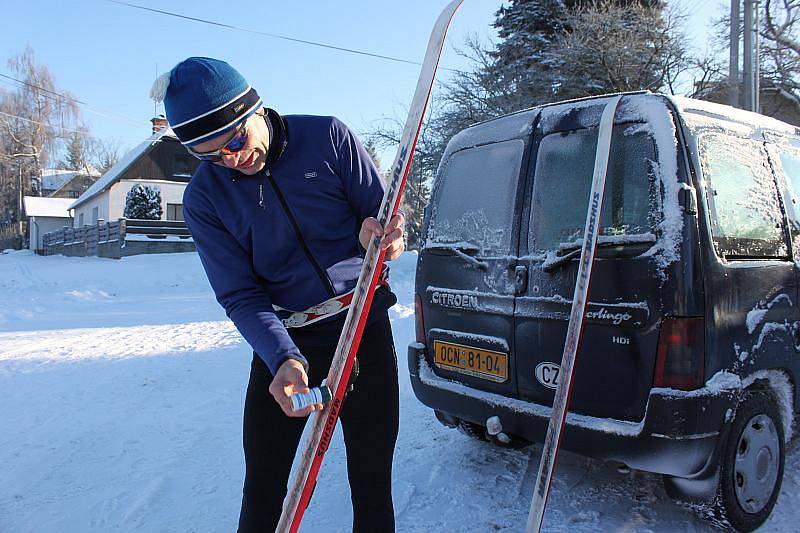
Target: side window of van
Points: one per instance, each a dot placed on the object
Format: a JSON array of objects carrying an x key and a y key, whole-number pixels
[
  {"x": 563, "y": 179},
  {"x": 746, "y": 217},
  {"x": 790, "y": 164},
  {"x": 475, "y": 196},
  {"x": 786, "y": 163}
]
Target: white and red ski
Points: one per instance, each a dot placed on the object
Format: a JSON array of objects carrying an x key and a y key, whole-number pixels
[
  {"x": 323, "y": 422},
  {"x": 558, "y": 415}
]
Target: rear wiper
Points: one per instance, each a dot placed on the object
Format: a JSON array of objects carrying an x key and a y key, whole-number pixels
[
  {"x": 463, "y": 250},
  {"x": 573, "y": 249}
]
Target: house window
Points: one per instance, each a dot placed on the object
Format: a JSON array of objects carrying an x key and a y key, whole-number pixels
[
  {"x": 174, "y": 211},
  {"x": 80, "y": 220},
  {"x": 95, "y": 215}
]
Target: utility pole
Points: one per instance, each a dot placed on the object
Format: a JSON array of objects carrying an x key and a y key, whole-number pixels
[
  {"x": 733, "y": 76},
  {"x": 747, "y": 64},
  {"x": 756, "y": 59}
]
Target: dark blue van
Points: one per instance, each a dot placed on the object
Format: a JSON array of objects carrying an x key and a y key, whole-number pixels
[{"x": 691, "y": 347}]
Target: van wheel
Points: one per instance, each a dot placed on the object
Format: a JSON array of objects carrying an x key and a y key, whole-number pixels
[{"x": 751, "y": 467}]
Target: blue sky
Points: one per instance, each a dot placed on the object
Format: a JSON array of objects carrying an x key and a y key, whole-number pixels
[{"x": 107, "y": 55}]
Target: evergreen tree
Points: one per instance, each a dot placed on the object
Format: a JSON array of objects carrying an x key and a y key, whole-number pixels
[
  {"x": 549, "y": 50},
  {"x": 529, "y": 62},
  {"x": 143, "y": 202},
  {"x": 611, "y": 47},
  {"x": 75, "y": 157},
  {"x": 527, "y": 29},
  {"x": 415, "y": 197}
]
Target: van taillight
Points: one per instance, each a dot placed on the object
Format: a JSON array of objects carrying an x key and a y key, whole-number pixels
[
  {"x": 419, "y": 319},
  {"x": 680, "y": 359}
]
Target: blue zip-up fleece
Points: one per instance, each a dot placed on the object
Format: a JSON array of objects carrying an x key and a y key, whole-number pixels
[{"x": 288, "y": 235}]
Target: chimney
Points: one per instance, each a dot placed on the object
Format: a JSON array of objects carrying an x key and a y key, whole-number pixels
[{"x": 159, "y": 123}]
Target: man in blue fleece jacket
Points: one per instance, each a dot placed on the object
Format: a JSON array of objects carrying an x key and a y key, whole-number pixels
[{"x": 281, "y": 211}]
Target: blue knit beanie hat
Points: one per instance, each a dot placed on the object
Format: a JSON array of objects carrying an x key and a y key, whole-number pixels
[{"x": 204, "y": 98}]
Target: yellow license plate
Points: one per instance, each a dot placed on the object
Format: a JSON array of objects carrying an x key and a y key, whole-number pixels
[{"x": 485, "y": 364}]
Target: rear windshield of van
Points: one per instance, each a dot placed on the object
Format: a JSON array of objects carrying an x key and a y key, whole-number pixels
[
  {"x": 475, "y": 197},
  {"x": 563, "y": 179}
]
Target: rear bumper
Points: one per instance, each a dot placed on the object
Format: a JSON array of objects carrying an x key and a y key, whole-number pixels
[{"x": 678, "y": 435}]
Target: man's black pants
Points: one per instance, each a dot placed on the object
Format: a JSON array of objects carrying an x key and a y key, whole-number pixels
[{"x": 369, "y": 419}]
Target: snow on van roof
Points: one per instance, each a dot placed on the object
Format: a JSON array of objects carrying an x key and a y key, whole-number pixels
[
  {"x": 700, "y": 113},
  {"x": 500, "y": 129},
  {"x": 520, "y": 123}
]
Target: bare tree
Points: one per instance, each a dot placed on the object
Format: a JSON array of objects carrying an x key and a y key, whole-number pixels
[
  {"x": 423, "y": 167},
  {"x": 780, "y": 49},
  {"x": 34, "y": 122},
  {"x": 780, "y": 23},
  {"x": 103, "y": 153}
]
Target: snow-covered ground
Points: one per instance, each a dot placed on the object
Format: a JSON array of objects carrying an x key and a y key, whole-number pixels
[{"x": 121, "y": 393}]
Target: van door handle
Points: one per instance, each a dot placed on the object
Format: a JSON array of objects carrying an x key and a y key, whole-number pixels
[{"x": 520, "y": 280}]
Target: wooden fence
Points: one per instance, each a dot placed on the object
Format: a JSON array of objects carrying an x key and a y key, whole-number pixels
[{"x": 120, "y": 238}]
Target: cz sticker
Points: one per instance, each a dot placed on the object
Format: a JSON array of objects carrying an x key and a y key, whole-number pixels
[{"x": 547, "y": 374}]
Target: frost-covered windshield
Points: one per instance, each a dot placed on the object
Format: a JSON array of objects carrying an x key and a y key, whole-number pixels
[
  {"x": 746, "y": 217},
  {"x": 563, "y": 178},
  {"x": 474, "y": 200}
]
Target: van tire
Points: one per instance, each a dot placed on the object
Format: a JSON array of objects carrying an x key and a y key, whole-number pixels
[{"x": 754, "y": 451}]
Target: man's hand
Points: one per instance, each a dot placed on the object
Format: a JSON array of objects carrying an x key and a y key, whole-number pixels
[
  {"x": 393, "y": 241},
  {"x": 290, "y": 379}
]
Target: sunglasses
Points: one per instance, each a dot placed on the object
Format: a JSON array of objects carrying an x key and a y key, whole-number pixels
[{"x": 234, "y": 144}]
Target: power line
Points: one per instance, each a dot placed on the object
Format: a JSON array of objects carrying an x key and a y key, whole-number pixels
[
  {"x": 274, "y": 35},
  {"x": 693, "y": 6},
  {"x": 82, "y": 132},
  {"x": 31, "y": 85},
  {"x": 73, "y": 99},
  {"x": 65, "y": 97}
]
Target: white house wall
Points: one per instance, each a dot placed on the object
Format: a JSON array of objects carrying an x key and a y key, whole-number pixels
[
  {"x": 171, "y": 193},
  {"x": 111, "y": 203},
  {"x": 101, "y": 202},
  {"x": 41, "y": 225}
]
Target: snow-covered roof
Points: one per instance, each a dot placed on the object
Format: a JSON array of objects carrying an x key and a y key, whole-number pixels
[
  {"x": 55, "y": 178},
  {"x": 36, "y": 206},
  {"x": 500, "y": 129},
  {"x": 699, "y": 111},
  {"x": 113, "y": 174},
  {"x": 696, "y": 112},
  {"x": 520, "y": 123}
]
